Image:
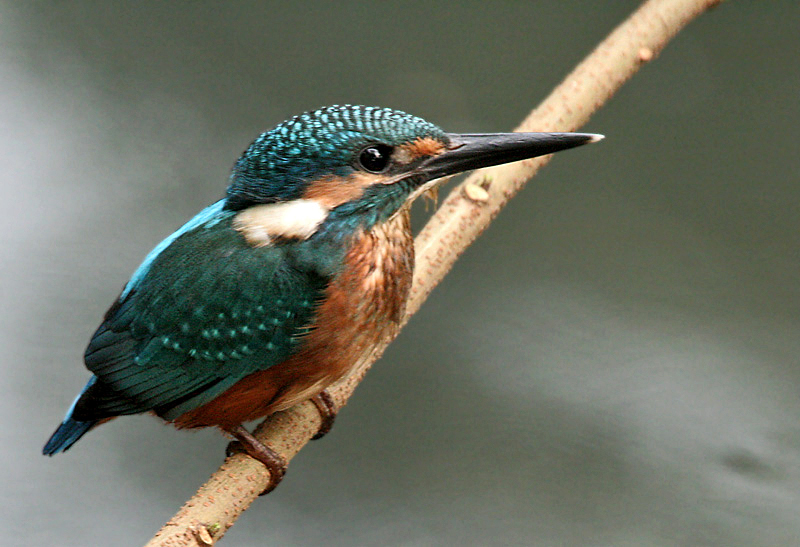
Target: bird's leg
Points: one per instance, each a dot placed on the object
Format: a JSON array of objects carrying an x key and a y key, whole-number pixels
[
  {"x": 245, "y": 442},
  {"x": 327, "y": 410}
]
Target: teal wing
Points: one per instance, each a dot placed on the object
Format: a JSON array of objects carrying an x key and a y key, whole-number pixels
[{"x": 203, "y": 311}]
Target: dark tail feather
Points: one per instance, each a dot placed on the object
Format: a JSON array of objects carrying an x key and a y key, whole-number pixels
[
  {"x": 70, "y": 430},
  {"x": 66, "y": 435}
]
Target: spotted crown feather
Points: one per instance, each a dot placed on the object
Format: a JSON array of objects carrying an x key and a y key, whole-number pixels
[{"x": 276, "y": 166}]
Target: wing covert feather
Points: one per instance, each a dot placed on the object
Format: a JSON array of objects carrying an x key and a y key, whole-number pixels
[{"x": 208, "y": 311}]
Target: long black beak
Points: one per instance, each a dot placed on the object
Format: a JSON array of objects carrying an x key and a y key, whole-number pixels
[{"x": 467, "y": 152}]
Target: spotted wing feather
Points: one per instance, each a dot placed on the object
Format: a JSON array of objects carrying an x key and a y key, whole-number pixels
[{"x": 209, "y": 310}]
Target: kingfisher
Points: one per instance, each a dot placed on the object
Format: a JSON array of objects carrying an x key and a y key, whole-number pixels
[{"x": 274, "y": 292}]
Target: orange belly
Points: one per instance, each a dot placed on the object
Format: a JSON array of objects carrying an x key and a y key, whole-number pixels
[{"x": 361, "y": 306}]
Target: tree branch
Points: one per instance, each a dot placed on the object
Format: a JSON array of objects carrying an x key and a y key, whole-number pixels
[{"x": 465, "y": 213}]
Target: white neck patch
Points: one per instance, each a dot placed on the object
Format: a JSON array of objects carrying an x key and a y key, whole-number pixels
[{"x": 296, "y": 219}]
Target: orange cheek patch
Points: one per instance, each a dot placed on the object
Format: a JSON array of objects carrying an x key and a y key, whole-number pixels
[
  {"x": 334, "y": 191},
  {"x": 421, "y": 148}
]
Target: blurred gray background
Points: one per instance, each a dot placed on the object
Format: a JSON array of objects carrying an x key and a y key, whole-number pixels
[{"x": 615, "y": 362}]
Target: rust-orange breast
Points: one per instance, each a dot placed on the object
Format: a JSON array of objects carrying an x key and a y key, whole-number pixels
[{"x": 362, "y": 304}]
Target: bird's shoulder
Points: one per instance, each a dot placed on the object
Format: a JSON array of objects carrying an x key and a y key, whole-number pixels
[{"x": 205, "y": 309}]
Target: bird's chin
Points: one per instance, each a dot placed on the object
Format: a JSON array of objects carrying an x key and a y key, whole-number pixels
[{"x": 430, "y": 190}]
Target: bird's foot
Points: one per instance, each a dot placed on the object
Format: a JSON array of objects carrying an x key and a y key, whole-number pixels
[
  {"x": 327, "y": 410},
  {"x": 245, "y": 442}
]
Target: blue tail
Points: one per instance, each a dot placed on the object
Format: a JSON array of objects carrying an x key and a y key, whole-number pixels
[
  {"x": 70, "y": 430},
  {"x": 66, "y": 435}
]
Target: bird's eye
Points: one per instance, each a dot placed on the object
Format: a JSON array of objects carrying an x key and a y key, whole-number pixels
[{"x": 375, "y": 158}]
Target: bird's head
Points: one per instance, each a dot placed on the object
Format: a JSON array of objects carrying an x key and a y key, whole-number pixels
[{"x": 357, "y": 166}]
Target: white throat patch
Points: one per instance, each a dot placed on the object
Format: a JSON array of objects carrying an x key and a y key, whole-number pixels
[{"x": 296, "y": 219}]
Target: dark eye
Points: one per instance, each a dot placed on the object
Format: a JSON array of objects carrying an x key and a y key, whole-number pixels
[{"x": 375, "y": 158}]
